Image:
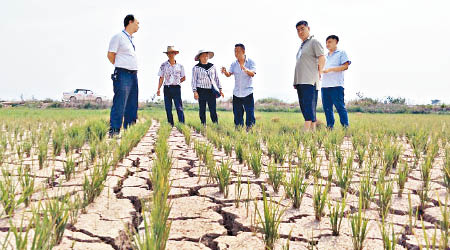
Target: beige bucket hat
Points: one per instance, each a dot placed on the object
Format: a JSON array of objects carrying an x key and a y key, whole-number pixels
[
  {"x": 210, "y": 53},
  {"x": 171, "y": 49}
]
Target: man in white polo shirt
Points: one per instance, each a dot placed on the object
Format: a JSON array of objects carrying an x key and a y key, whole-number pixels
[{"x": 122, "y": 54}]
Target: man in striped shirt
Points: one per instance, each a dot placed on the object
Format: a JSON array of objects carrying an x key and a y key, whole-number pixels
[
  {"x": 204, "y": 79},
  {"x": 172, "y": 75}
]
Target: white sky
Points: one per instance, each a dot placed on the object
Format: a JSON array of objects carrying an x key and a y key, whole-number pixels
[{"x": 397, "y": 48}]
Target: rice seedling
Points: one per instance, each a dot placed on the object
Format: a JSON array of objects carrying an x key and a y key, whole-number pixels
[
  {"x": 319, "y": 199},
  {"x": 276, "y": 176},
  {"x": 444, "y": 224},
  {"x": 228, "y": 147},
  {"x": 402, "y": 177},
  {"x": 27, "y": 185},
  {"x": 388, "y": 237},
  {"x": 20, "y": 238},
  {"x": 69, "y": 168},
  {"x": 344, "y": 174},
  {"x": 358, "y": 224},
  {"x": 42, "y": 156},
  {"x": 366, "y": 190},
  {"x": 239, "y": 152},
  {"x": 255, "y": 163},
  {"x": 445, "y": 168},
  {"x": 27, "y": 146},
  {"x": 8, "y": 193},
  {"x": 270, "y": 221},
  {"x": 336, "y": 215},
  {"x": 58, "y": 141},
  {"x": 295, "y": 188},
  {"x": 392, "y": 152},
  {"x": 92, "y": 187},
  {"x": 384, "y": 190},
  {"x": 223, "y": 174},
  {"x": 238, "y": 190}
]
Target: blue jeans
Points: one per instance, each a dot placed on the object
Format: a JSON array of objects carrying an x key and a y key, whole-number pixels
[
  {"x": 239, "y": 105},
  {"x": 207, "y": 96},
  {"x": 307, "y": 98},
  {"x": 334, "y": 96},
  {"x": 173, "y": 93},
  {"x": 125, "y": 101}
]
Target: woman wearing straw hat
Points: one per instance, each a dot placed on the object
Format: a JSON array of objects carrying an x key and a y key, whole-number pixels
[
  {"x": 206, "y": 85},
  {"x": 172, "y": 75}
]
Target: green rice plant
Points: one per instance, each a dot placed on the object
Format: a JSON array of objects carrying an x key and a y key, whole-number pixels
[
  {"x": 419, "y": 144},
  {"x": 389, "y": 239},
  {"x": 270, "y": 221},
  {"x": 27, "y": 146},
  {"x": 42, "y": 155},
  {"x": 366, "y": 190},
  {"x": 361, "y": 153},
  {"x": 444, "y": 224},
  {"x": 93, "y": 150},
  {"x": 279, "y": 152},
  {"x": 319, "y": 199},
  {"x": 69, "y": 168},
  {"x": 338, "y": 156},
  {"x": 425, "y": 171},
  {"x": 255, "y": 163},
  {"x": 8, "y": 193},
  {"x": 445, "y": 168},
  {"x": 358, "y": 224},
  {"x": 344, "y": 174},
  {"x": 228, "y": 147},
  {"x": 27, "y": 185},
  {"x": 2, "y": 156},
  {"x": 295, "y": 188},
  {"x": 384, "y": 190},
  {"x": 239, "y": 152},
  {"x": 210, "y": 164},
  {"x": 336, "y": 215},
  {"x": 402, "y": 177},
  {"x": 58, "y": 141},
  {"x": 327, "y": 148},
  {"x": 19, "y": 151},
  {"x": 59, "y": 215},
  {"x": 412, "y": 216},
  {"x": 74, "y": 205},
  {"x": 20, "y": 238},
  {"x": 67, "y": 146},
  {"x": 392, "y": 152},
  {"x": 223, "y": 174},
  {"x": 238, "y": 190},
  {"x": 276, "y": 176},
  {"x": 93, "y": 186}
]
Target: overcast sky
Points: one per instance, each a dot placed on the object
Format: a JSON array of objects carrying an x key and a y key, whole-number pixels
[{"x": 397, "y": 48}]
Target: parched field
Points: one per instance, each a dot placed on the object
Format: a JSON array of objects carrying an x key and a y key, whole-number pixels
[{"x": 382, "y": 184}]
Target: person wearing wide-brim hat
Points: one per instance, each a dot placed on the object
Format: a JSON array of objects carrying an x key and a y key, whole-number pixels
[
  {"x": 205, "y": 85},
  {"x": 171, "y": 74}
]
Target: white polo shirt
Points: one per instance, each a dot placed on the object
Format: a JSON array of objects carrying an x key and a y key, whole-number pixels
[{"x": 122, "y": 45}]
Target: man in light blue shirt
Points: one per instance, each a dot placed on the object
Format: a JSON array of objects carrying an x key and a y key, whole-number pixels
[
  {"x": 243, "y": 69},
  {"x": 333, "y": 82}
]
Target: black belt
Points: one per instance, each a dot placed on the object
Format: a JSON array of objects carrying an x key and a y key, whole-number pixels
[
  {"x": 172, "y": 86},
  {"x": 127, "y": 70}
]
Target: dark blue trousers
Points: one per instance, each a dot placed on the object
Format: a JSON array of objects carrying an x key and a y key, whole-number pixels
[
  {"x": 125, "y": 101},
  {"x": 307, "y": 98},
  {"x": 207, "y": 96},
  {"x": 241, "y": 104},
  {"x": 173, "y": 93},
  {"x": 334, "y": 96}
]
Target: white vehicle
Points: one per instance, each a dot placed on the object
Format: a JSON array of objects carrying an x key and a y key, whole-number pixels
[{"x": 83, "y": 95}]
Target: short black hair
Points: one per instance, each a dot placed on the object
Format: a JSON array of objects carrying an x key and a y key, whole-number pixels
[
  {"x": 333, "y": 37},
  {"x": 302, "y": 22},
  {"x": 240, "y": 45},
  {"x": 127, "y": 20}
]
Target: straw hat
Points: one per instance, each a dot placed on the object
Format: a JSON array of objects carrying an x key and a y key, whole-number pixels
[
  {"x": 210, "y": 53},
  {"x": 171, "y": 49}
]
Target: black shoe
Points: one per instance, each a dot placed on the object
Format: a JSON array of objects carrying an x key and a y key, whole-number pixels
[{"x": 114, "y": 132}]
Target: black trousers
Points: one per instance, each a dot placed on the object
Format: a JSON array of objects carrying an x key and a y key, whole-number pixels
[{"x": 207, "y": 96}]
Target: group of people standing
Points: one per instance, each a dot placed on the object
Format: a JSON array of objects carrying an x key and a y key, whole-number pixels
[{"x": 312, "y": 68}]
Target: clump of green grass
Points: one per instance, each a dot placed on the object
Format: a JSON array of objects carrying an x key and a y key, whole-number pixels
[
  {"x": 384, "y": 190},
  {"x": 402, "y": 177},
  {"x": 42, "y": 155},
  {"x": 58, "y": 141},
  {"x": 223, "y": 174},
  {"x": 276, "y": 176},
  {"x": 319, "y": 200},
  {"x": 295, "y": 188},
  {"x": 239, "y": 152},
  {"x": 344, "y": 174},
  {"x": 8, "y": 193},
  {"x": 270, "y": 221},
  {"x": 358, "y": 224},
  {"x": 27, "y": 185},
  {"x": 255, "y": 163},
  {"x": 446, "y": 168},
  {"x": 336, "y": 215},
  {"x": 366, "y": 190},
  {"x": 388, "y": 237},
  {"x": 69, "y": 168}
]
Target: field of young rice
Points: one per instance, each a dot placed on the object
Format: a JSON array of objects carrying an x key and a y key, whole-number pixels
[{"x": 381, "y": 184}]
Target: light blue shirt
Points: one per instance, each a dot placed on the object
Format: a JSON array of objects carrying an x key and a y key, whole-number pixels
[
  {"x": 243, "y": 83},
  {"x": 335, "y": 79}
]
